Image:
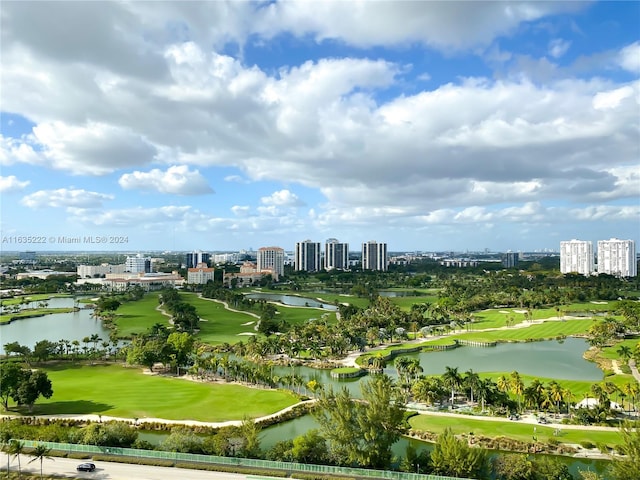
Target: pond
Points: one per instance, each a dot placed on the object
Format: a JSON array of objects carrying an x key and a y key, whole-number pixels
[
  {"x": 53, "y": 327},
  {"x": 551, "y": 358},
  {"x": 292, "y": 300},
  {"x": 294, "y": 428}
]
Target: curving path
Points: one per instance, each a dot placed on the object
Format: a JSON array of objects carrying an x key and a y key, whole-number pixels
[{"x": 634, "y": 369}]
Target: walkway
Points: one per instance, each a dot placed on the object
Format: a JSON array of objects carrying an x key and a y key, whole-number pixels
[{"x": 634, "y": 370}]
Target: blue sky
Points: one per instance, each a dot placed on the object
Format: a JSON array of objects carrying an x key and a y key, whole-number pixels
[{"x": 235, "y": 125}]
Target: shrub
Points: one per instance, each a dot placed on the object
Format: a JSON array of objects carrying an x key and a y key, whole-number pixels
[{"x": 587, "y": 444}]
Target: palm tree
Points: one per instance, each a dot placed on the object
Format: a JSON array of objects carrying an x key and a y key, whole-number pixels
[
  {"x": 5, "y": 438},
  {"x": 452, "y": 380},
  {"x": 484, "y": 389},
  {"x": 503, "y": 384},
  {"x": 40, "y": 453},
  {"x": 556, "y": 394},
  {"x": 16, "y": 449},
  {"x": 471, "y": 381},
  {"x": 517, "y": 386},
  {"x": 625, "y": 352}
]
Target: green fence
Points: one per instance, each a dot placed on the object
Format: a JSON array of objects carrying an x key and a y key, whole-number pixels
[{"x": 234, "y": 461}]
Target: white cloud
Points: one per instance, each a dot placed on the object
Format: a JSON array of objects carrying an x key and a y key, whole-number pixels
[
  {"x": 63, "y": 197},
  {"x": 612, "y": 98},
  {"x": 446, "y": 25},
  {"x": 92, "y": 149},
  {"x": 240, "y": 210},
  {"x": 629, "y": 57},
  {"x": 558, "y": 47},
  {"x": 282, "y": 198},
  {"x": 11, "y": 184},
  {"x": 146, "y": 218},
  {"x": 177, "y": 180}
]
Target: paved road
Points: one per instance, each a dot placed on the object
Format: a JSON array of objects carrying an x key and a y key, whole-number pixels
[
  {"x": 66, "y": 468},
  {"x": 634, "y": 369}
]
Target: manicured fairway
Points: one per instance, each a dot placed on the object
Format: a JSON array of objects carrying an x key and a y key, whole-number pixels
[
  {"x": 126, "y": 392},
  {"x": 550, "y": 329},
  {"x": 218, "y": 324},
  {"x": 512, "y": 429},
  {"x": 137, "y": 317}
]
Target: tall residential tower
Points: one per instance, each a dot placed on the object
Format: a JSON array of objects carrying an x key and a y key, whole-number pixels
[
  {"x": 307, "y": 256},
  {"x": 617, "y": 257},
  {"x": 576, "y": 256},
  {"x": 374, "y": 256},
  {"x": 336, "y": 255}
]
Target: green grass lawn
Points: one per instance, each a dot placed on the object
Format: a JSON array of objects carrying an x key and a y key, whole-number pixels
[
  {"x": 137, "y": 317},
  {"x": 125, "y": 392},
  {"x": 551, "y": 329},
  {"x": 612, "y": 352},
  {"x": 220, "y": 325},
  {"x": 36, "y": 312},
  {"x": 510, "y": 429}
]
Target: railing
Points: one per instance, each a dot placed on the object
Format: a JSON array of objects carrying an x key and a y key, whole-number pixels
[{"x": 233, "y": 461}]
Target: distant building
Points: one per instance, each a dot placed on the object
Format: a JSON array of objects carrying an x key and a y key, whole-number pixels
[
  {"x": 93, "y": 271},
  {"x": 576, "y": 256},
  {"x": 200, "y": 275},
  {"x": 374, "y": 256},
  {"x": 510, "y": 259},
  {"x": 138, "y": 264},
  {"x": 42, "y": 274},
  {"x": 271, "y": 259},
  {"x": 227, "y": 257},
  {"x": 336, "y": 255},
  {"x": 28, "y": 257},
  {"x": 147, "y": 281},
  {"x": 249, "y": 275},
  {"x": 458, "y": 262},
  {"x": 193, "y": 259},
  {"x": 307, "y": 256},
  {"x": 617, "y": 257}
]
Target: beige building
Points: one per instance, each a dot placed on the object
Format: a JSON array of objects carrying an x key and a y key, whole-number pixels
[{"x": 200, "y": 275}]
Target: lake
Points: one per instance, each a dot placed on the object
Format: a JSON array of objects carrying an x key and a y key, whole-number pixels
[{"x": 53, "y": 327}]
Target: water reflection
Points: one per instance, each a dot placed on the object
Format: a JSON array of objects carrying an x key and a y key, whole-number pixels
[{"x": 53, "y": 327}]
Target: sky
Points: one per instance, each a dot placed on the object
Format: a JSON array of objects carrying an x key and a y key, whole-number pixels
[{"x": 221, "y": 126}]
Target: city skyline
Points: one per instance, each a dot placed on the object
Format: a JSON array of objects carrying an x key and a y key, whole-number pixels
[{"x": 221, "y": 126}]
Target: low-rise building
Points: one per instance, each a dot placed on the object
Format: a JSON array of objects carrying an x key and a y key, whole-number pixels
[{"x": 200, "y": 275}]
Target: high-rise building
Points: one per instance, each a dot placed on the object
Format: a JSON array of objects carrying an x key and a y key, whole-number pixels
[
  {"x": 510, "y": 260},
  {"x": 272, "y": 259},
  {"x": 137, "y": 264},
  {"x": 307, "y": 256},
  {"x": 336, "y": 255},
  {"x": 374, "y": 256},
  {"x": 193, "y": 259},
  {"x": 576, "y": 256},
  {"x": 617, "y": 257}
]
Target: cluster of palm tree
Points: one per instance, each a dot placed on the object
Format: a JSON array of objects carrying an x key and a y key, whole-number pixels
[
  {"x": 211, "y": 367},
  {"x": 15, "y": 448},
  {"x": 453, "y": 386},
  {"x": 91, "y": 347},
  {"x": 24, "y": 304}
]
